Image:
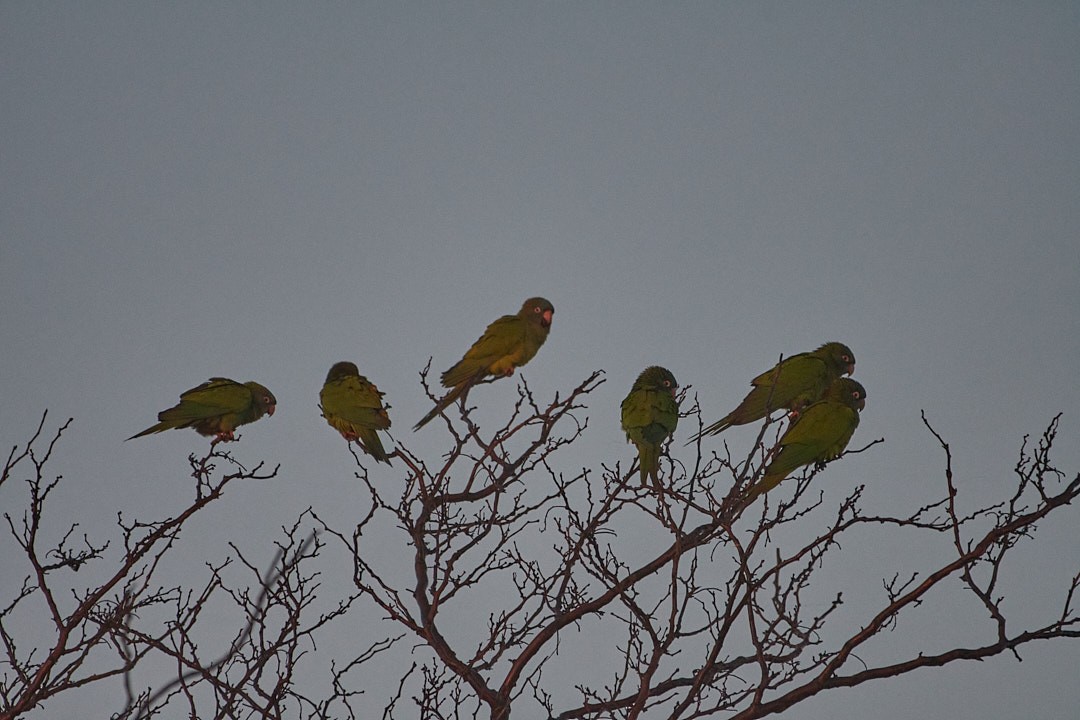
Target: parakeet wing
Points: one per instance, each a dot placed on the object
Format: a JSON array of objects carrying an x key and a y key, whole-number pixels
[
  {"x": 217, "y": 396},
  {"x": 356, "y": 401},
  {"x": 821, "y": 433},
  {"x": 799, "y": 374},
  {"x": 653, "y": 413},
  {"x": 503, "y": 338}
]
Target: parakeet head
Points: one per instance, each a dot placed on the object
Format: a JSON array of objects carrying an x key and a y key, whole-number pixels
[
  {"x": 537, "y": 310},
  {"x": 656, "y": 378},
  {"x": 839, "y": 356},
  {"x": 341, "y": 370},
  {"x": 264, "y": 399},
  {"x": 847, "y": 391}
]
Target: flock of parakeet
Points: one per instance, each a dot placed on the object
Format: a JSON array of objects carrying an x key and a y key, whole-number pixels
[{"x": 823, "y": 404}]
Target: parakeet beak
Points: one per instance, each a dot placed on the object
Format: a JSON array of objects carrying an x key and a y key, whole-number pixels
[
  {"x": 851, "y": 369},
  {"x": 862, "y": 404},
  {"x": 270, "y": 409},
  {"x": 546, "y": 319}
]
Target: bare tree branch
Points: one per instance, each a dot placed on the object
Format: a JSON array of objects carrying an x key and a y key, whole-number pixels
[{"x": 698, "y": 603}]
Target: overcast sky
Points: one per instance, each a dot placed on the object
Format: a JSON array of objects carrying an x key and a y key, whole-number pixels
[{"x": 258, "y": 191}]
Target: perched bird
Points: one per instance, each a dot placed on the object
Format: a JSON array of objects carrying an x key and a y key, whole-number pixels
[
  {"x": 508, "y": 343},
  {"x": 353, "y": 406},
  {"x": 650, "y": 415},
  {"x": 818, "y": 435},
  {"x": 217, "y": 407},
  {"x": 792, "y": 384}
]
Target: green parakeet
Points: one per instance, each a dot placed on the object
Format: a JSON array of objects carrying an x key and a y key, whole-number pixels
[
  {"x": 217, "y": 407},
  {"x": 650, "y": 415},
  {"x": 353, "y": 406},
  {"x": 818, "y": 435},
  {"x": 508, "y": 343},
  {"x": 792, "y": 384}
]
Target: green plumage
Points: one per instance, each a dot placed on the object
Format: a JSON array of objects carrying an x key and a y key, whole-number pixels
[
  {"x": 353, "y": 406},
  {"x": 792, "y": 384},
  {"x": 820, "y": 434},
  {"x": 217, "y": 407},
  {"x": 508, "y": 343},
  {"x": 650, "y": 415}
]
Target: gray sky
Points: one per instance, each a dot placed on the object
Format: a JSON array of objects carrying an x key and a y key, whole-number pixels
[{"x": 258, "y": 192}]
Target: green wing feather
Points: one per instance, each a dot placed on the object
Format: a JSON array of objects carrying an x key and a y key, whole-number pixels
[{"x": 503, "y": 340}]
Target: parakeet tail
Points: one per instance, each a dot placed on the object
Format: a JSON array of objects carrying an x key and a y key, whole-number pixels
[
  {"x": 160, "y": 427},
  {"x": 715, "y": 429},
  {"x": 369, "y": 440},
  {"x": 649, "y": 457},
  {"x": 447, "y": 400},
  {"x": 763, "y": 486}
]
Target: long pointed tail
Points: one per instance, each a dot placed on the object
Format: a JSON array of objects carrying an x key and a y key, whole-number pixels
[
  {"x": 372, "y": 445},
  {"x": 160, "y": 427},
  {"x": 715, "y": 429},
  {"x": 649, "y": 459},
  {"x": 762, "y": 486},
  {"x": 459, "y": 391}
]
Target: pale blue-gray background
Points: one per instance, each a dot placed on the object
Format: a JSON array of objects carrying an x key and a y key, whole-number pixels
[{"x": 258, "y": 191}]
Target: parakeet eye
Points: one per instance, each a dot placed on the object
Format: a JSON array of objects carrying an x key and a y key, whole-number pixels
[
  {"x": 536, "y": 309},
  {"x": 266, "y": 399},
  {"x": 845, "y": 358},
  {"x": 667, "y": 383},
  {"x": 856, "y": 394}
]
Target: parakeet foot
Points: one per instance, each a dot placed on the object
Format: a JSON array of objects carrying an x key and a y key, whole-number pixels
[{"x": 222, "y": 437}]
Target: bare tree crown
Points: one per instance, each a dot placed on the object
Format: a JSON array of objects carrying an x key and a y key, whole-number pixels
[{"x": 683, "y": 591}]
